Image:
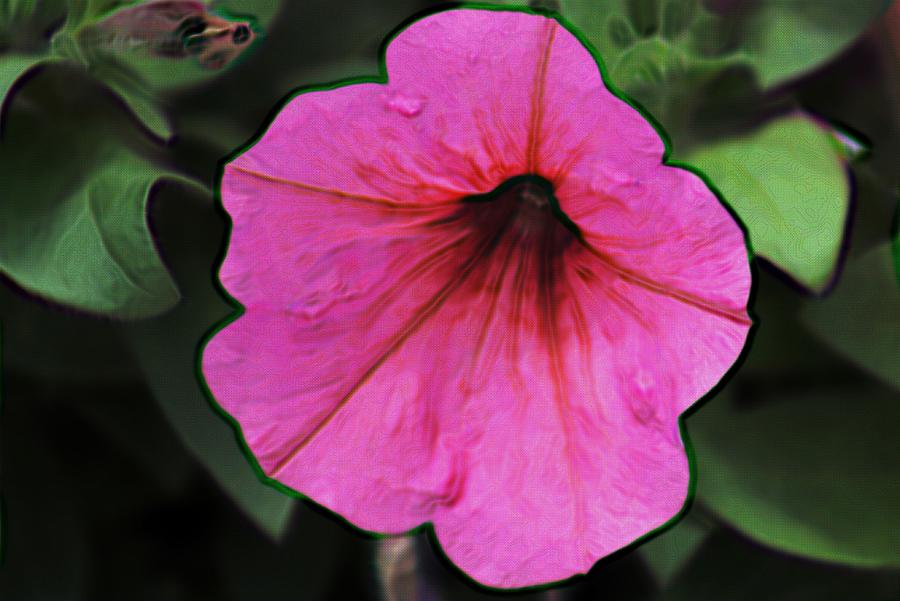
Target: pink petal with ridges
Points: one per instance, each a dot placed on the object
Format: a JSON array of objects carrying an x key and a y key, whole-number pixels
[{"x": 408, "y": 356}]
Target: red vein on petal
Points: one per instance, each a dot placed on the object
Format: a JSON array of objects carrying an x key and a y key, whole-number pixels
[
  {"x": 405, "y": 280},
  {"x": 426, "y": 311},
  {"x": 738, "y": 317},
  {"x": 629, "y": 307},
  {"x": 519, "y": 283},
  {"x": 495, "y": 290},
  {"x": 334, "y": 193},
  {"x": 487, "y": 141},
  {"x": 575, "y": 154},
  {"x": 537, "y": 99},
  {"x": 583, "y": 333},
  {"x": 561, "y": 397}
]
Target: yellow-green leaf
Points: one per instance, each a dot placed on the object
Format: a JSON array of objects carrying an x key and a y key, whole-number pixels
[{"x": 788, "y": 183}]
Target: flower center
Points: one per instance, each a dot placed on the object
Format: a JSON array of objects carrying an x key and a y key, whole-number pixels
[
  {"x": 523, "y": 211},
  {"x": 512, "y": 242}
]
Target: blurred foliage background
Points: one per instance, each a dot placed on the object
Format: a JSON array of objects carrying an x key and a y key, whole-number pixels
[{"x": 120, "y": 482}]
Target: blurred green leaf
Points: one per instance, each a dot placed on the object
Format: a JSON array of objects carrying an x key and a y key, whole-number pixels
[
  {"x": 785, "y": 38},
  {"x": 82, "y": 10},
  {"x": 262, "y": 11},
  {"x": 788, "y": 184},
  {"x": 22, "y": 22},
  {"x": 12, "y": 67},
  {"x": 664, "y": 44},
  {"x": 861, "y": 318},
  {"x": 644, "y": 16},
  {"x": 896, "y": 251},
  {"x": 673, "y": 549},
  {"x": 166, "y": 351},
  {"x": 82, "y": 240},
  {"x": 646, "y": 62},
  {"x": 12, "y": 9},
  {"x": 812, "y": 473},
  {"x": 727, "y": 567},
  {"x": 123, "y": 81},
  {"x": 779, "y": 38},
  {"x": 141, "y": 101},
  {"x": 78, "y": 177},
  {"x": 677, "y": 16},
  {"x": 15, "y": 60}
]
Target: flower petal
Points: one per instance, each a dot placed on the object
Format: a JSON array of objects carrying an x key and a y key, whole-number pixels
[
  {"x": 406, "y": 357},
  {"x": 581, "y": 126},
  {"x": 660, "y": 223},
  {"x": 398, "y": 375},
  {"x": 446, "y": 125}
]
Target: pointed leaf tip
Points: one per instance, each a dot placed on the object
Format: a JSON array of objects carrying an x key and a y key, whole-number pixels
[{"x": 788, "y": 183}]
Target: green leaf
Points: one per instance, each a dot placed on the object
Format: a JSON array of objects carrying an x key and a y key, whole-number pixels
[
  {"x": 644, "y": 16},
  {"x": 727, "y": 567},
  {"x": 788, "y": 184},
  {"x": 124, "y": 82},
  {"x": 861, "y": 318},
  {"x": 262, "y": 11},
  {"x": 85, "y": 11},
  {"x": 677, "y": 16},
  {"x": 143, "y": 104},
  {"x": 166, "y": 348},
  {"x": 12, "y": 67},
  {"x": 25, "y": 23},
  {"x": 73, "y": 207},
  {"x": 816, "y": 473},
  {"x": 12, "y": 10},
  {"x": 779, "y": 38},
  {"x": 82, "y": 240},
  {"x": 16, "y": 57},
  {"x": 669, "y": 552},
  {"x": 896, "y": 251},
  {"x": 785, "y": 38}
]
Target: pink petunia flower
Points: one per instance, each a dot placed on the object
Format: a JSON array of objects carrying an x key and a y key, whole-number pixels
[{"x": 475, "y": 296}]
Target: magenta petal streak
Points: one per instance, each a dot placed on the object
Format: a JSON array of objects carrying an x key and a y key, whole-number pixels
[{"x": 410, "y": 356}]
